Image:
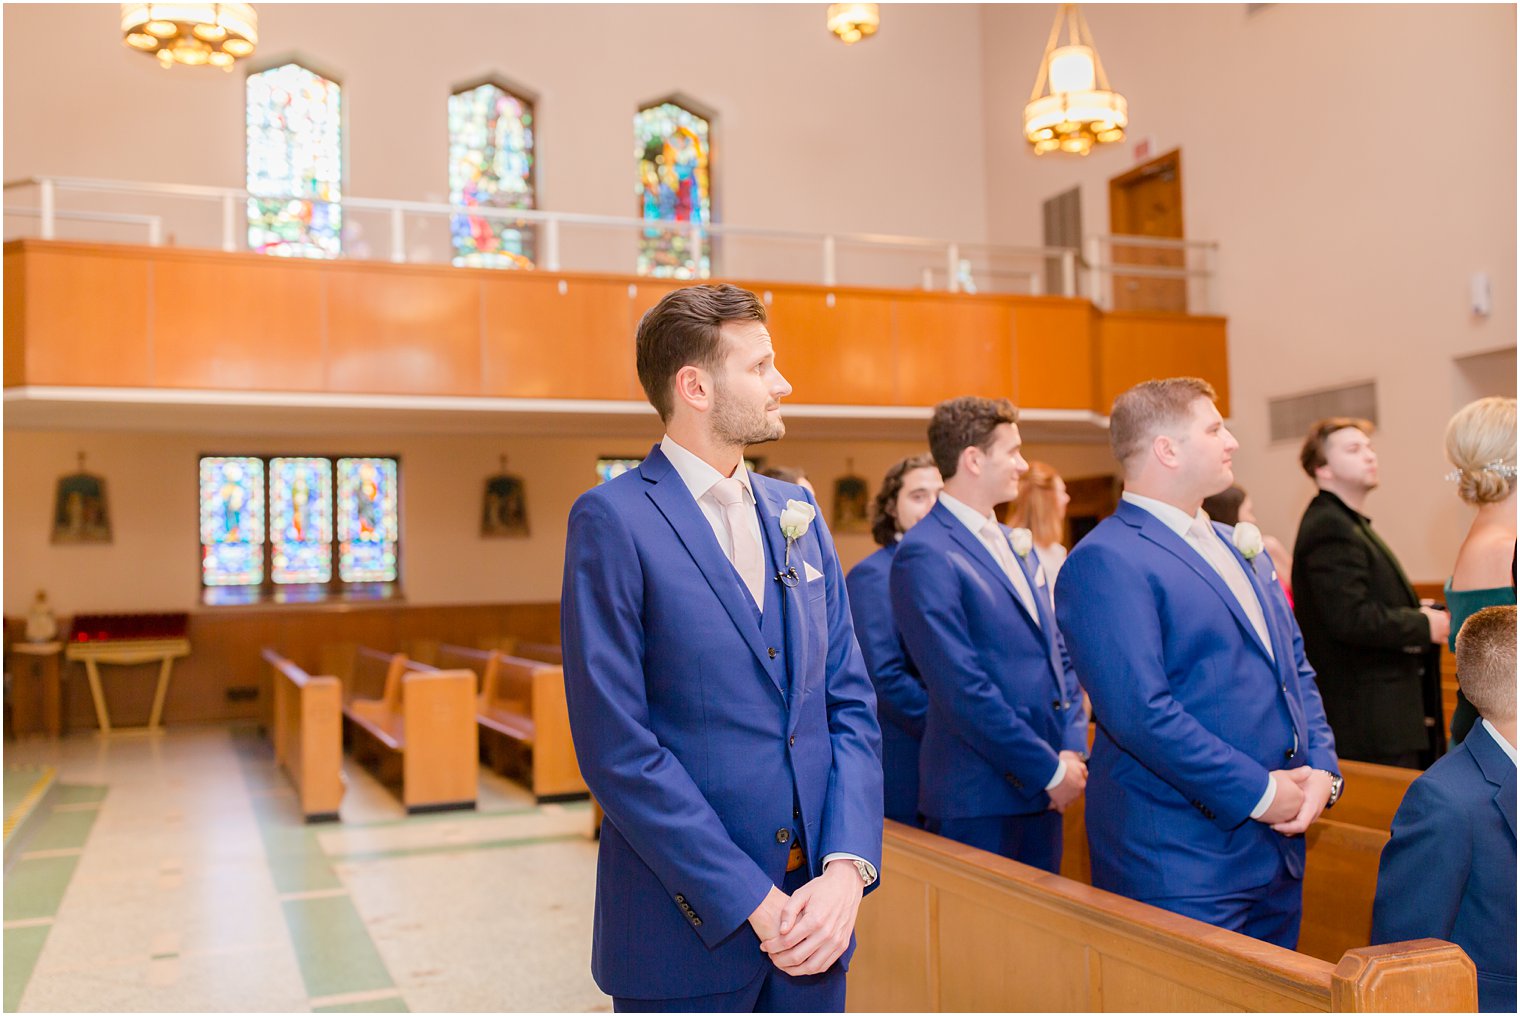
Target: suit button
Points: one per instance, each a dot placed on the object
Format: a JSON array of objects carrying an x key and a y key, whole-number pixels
[
  {"x": 796, "y": 813},
  {"x": 680, "y": 898},
  {"x": 782, "y": 835},
  {"x": 1288, "y": 753},
  {"x": 772, "y": 652},
  {"x": 696, "y": 922},
  {"x": 1056, "y": 705},
  {"x": 791, "y": 740}
]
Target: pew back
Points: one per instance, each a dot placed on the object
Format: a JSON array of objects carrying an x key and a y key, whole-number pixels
[
  {"x": 307, "y": 728},
  {"x": 524, "y": 699}
]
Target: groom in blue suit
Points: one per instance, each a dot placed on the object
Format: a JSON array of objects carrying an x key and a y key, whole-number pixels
[
  {"x": 1004, "y": 742},
  {"x": 721, "y": 711},
  {"x": 1212, "y": 754}
]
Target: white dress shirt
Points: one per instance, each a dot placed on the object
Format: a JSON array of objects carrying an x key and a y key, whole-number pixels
[
  {"x": 976, "y": 522},
  {"x": 1509, "y": 749},
  {"x": 699, "y": 478},
  {"x": 1181, "y": 523}
]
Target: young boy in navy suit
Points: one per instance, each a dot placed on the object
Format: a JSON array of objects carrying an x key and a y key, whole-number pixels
[{"x": 1449, "y": 871}]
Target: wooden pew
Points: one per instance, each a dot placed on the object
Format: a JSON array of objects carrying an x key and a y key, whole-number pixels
[
  {"x": 544, "y": 652},
  {"x": 953, "y": 928},
  {"x": 420, "y": 727},
  {"x": 307, "y": 728},
  {"x": 522, "y": 708}
]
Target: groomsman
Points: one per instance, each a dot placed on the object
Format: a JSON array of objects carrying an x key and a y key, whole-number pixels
[
  {"x": 1212, "y": 754},
  {"x": 1005, "y": 735},
  {"x": 721, "y": 711}
]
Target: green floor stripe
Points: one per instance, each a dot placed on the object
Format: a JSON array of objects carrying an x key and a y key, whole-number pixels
[
  {"x": 334, "y": 947},
  {"x": 296, "y": 861},
  {"x": 455, "y": 848},
  {"x": 22, "y": 947},
  {"x": 384, "y": 1005},
  {"x": 34, "y": 888},
  {"x": 61, "y": 830},
  {"x": 79, "y": 793}
]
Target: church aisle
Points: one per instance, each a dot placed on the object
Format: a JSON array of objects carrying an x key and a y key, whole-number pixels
[{"x": 174, "y": 874}]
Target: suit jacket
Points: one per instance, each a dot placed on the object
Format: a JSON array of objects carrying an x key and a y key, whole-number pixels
[
  {"x": 710, "y": 734},
  {"x": 1363, "y": 631},
  {"x": 1192, "y": 712},
  {"x": 1449, "y": 871},
  {"x": 902, "y": 703},
  {"x": 1003, "y": 701}
]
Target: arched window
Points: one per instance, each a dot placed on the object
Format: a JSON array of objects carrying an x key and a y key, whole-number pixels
[
  {"x": 491, "y": 165},
  {"x": 295, "y": 163},
  {"x": 673, "y": 145}
]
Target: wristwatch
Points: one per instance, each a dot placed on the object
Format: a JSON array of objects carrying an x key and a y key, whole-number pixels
[
  {"x": 867, "y": 876},
  {"x": 1337, "y": 784}
]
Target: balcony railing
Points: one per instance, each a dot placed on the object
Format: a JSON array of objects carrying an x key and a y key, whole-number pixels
[{"x": 417, "y": 232}]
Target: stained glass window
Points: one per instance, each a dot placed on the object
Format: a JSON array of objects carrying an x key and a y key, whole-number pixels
[
  {"x": 606, "y": 469},
  {"x": 300, "y": 520},
  {"x": 295, "y": 163},
  {"x": 367, "y": 522},
  {"x": 490, "y": 166},
  {"x": 672, "y": 145},
  {"x": 232, "y": 521}
]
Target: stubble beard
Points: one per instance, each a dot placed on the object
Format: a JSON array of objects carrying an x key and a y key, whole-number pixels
[{"x": 733, "y": 426}]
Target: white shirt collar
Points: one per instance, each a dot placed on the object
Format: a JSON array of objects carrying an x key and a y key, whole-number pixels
[
  {"x": 968, "y": 516},
  {"x": 1509, "y": 749},
  {"x": 1174, "y": 518},
  {"x": 698, "y": 475}
]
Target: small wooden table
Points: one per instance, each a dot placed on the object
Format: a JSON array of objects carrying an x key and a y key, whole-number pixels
[
  {"x": 127, "y": 652},
  {"x": 36, "y": 692}
]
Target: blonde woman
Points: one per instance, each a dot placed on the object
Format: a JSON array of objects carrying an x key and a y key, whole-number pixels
[
  {"x": 1480, "y": 443},
  {"x": 1041, "y": 509}
]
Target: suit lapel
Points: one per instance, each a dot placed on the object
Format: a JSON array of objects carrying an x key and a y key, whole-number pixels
[
  {"x": 1029, "y": 563},
  {"x": 1497, "y": 769},
  {"x": 791, "y": 600},
  {"x": 671, "y": 496},
  {"x": 1161, "y": 535},
  {"x": 1393, "y": 562},
  {"x": 974, "y": 546}
]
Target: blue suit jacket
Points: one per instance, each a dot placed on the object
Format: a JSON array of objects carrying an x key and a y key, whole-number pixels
[
  {"x": 1449, "y": 871},
  {"x": 901, "y": 701},
  {"x": 1003, "y": 701},
  {"x": 698, "y": 736},
  {"x": 1192, "y": 713}
]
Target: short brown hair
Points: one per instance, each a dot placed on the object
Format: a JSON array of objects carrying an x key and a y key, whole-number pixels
[
  {"x": 1225, "y": 505},
  {"x": 966, "y": 422},
  {"x": 1035, "y": 507},
  {"x": 685, "y": 328},
  {"x": 884, "y": 508},
  {"x": 1139, "y": 414},
  {"x": 1312, "y": 455},
  {"x": 1486, "y": 662}
]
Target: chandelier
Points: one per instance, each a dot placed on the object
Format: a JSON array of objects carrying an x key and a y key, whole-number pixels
[
  {"x": 1072, "y": 108},
  {"x": 853, "y": 22},
  {"x": 191, "y": 33}
]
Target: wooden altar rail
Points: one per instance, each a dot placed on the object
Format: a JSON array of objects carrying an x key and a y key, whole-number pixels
[
  {"x": 307, "y": 731},
  {"x": 117, "y": 315},
  {"x": 955, "y": 929}
]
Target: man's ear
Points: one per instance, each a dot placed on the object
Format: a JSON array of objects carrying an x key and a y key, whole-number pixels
[
  {"x": 1165, "y": 450},
  {"x": 693, "y": 386},
  {"x": 970, "y": 461}
]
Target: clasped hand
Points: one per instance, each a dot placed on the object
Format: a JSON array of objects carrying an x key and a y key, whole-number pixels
[
  {"x": 1071, "y": 785},
  {"x": 1301, "y": 797},
  {"x": 806, "y": 932}
]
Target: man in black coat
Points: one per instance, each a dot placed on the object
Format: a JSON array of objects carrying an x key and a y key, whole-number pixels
[{"x": 1365, "y": 631}]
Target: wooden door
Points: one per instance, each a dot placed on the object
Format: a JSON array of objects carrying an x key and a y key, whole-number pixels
[
  {"x": 1093, "y": 499},
  {"x": 1147, "y": 201}
]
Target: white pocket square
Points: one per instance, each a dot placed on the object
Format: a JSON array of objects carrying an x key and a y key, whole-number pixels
[{"x": 811, "y": 572}]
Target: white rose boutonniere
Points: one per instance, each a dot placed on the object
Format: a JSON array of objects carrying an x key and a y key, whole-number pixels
[
  {"x": 1022, "y": 540},
  {"x": 796, "y": 520},
  {"x": 1247, "y": 540}
]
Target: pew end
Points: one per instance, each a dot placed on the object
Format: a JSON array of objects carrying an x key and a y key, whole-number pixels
[
  {"x": 1425, "y": 975},
  {"x": 306, "y": 727}
]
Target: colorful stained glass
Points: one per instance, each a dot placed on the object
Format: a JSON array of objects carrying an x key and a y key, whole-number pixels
[
  {"x": 232, "y": 521},
  {"x": 490, "y": 166},
  {"x": 367, "y": 520},
  {"x": 300, "y": 520},
  {"x": 672, "y": 146},
  {"x": 606, "y": 469},
  {"x": 295, "y": 163}
]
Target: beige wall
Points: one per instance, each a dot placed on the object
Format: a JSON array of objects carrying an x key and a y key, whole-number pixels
[
  {"x": 153, "y": 563},
  {"x": 1356, "y": 165}
]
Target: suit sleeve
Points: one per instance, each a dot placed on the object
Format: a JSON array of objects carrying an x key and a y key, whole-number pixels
[
  {"x": 1113, "y": 629},
  {"x": 926, "y": 604},
  {"x": 1332, "y": 561},
  {"x": 646, "y": 792},
  {"x": 1424, "y": 869},
  {"x": 1074, "y": 736},
  {"x": 900, "y": 696},
  {"x": 852, "y": 809}
]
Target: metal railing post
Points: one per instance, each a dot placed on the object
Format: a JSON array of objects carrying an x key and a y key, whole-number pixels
[
  {"x": 1036, "y": 283},
  {"x": 398, "y": 236},
  {"x": 229, "y": 219},
  {"x": 830, "y": 265},
  {"x": 46, "y": 196},
  {"x": 156, "y": 232},
  {"x": 551, "y": 245},
  {"x": 1068, "y": 272},
  {"x": 953, "y": 268}
]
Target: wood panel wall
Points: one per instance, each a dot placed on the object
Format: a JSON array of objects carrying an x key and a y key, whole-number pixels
[
  {"x": 225, "y": 645},
  {"x": 125, "y": 316}
]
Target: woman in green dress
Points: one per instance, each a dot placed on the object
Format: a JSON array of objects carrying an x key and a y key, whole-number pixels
[{"x": 1480, "y": 443}]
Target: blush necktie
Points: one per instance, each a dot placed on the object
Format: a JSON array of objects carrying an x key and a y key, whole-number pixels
[
  {"x": 1206, "y": 541},
  {"x": 744, "y": 551},
  {"x": 997, "y": 542}
]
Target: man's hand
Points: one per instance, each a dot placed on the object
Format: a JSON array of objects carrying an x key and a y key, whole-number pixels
[
  {"x": 1071, "y": 785},
  {"x": 1289, "y": 800},
  {"x": 816, "y": 923},
  {"x": 1316, "y": 786},
  {"x": 766, "y": 920},
  {"x": 1440, "y": 624}
]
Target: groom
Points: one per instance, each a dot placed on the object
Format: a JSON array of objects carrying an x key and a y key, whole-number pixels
[{"x": 721, "y": 710}]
